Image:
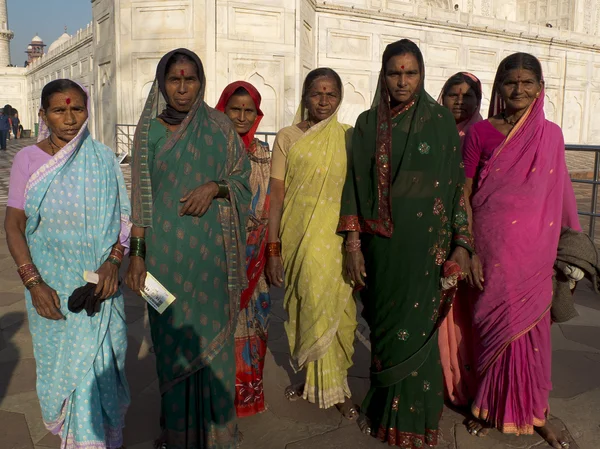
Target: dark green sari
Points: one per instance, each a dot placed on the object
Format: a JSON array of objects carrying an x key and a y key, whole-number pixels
[
  {"x": 404, "y": 194},
  {"x": 198, "y": 259}
]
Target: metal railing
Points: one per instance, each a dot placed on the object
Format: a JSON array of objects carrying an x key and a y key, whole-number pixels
[
  {"x": 125, "y": 133},
  {"x": 592, "y": 213}
]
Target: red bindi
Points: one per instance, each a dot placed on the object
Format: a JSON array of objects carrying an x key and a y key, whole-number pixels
[
  {"x": 243, "y": 105},
  {"x": 402, "y": 67},
  {"x": 182, "y": 73},
  {"x": 68, "y": 101}
]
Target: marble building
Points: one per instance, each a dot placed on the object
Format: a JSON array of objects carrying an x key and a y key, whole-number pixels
[{"x": 274, "y": 43}]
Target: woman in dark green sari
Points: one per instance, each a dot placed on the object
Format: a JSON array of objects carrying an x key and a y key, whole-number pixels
[
  {"x": 191, "y": 194},
  {"x": 404, "y": 216}
]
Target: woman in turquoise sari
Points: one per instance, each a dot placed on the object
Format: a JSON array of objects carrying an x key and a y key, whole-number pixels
[
  {"x": 68, "y": 212},
  {"x": 191, "y": 192}
]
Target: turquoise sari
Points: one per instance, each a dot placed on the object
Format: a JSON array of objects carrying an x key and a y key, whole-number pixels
[{"x": 75, "y": 206}]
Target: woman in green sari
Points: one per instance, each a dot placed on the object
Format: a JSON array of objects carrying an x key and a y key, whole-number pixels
[
  {"x": 191, "y": 195},
  {"x": 404, "y": 216}
]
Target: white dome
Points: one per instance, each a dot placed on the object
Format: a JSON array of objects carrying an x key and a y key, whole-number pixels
[
  {"x": 29, "y": 47},
  {"x": 58, "y": 42},
  {"x": 37, "y": 39}
]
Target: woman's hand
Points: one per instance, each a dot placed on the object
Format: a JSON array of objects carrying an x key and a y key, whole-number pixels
[
  {"x": 136, "y": 274},
  {"x": 477, "y": 272},
  {"x": 355, "y": 268},
  {"x": 463, "y": 259},
  {"x": 46, "y": 302},
  {"x": 109, "y": 280},
  {"x": 197, "y": 202},
  {"x": 274, "y": 271}
]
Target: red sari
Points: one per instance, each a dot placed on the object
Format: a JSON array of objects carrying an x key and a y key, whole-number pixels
[{"x": 253, "y": 321}]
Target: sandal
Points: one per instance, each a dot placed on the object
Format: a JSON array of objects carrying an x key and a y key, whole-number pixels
[{"x": 294, "y": 392}]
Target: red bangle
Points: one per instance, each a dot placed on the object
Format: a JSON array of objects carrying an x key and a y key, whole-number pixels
[{"x": 273, "y": 249}]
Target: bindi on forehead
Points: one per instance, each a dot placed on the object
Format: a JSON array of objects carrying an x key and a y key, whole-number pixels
[
  {"x": 402, "y": 67},
  {"x": 182, "y": 72},
  {"x": 68, "y": 101}
]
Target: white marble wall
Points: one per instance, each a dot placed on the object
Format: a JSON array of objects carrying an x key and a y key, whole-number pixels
[
  {"x": 13, "y": 91},
  {"x": 275, "y": 43},
  {"x": 74, "y": 60}
]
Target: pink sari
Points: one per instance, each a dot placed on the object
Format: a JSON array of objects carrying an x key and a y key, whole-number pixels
[
  {"x": 454, "y": 336},
  {"x": 523, "y": 198}
]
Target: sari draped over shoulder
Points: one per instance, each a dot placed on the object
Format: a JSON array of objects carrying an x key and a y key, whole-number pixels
[
  {"x": 455, "y": 339},
  {"x": 322, "y": 312},
  {"x": 77, "y": 207},
  {"x": 253, "y": 322},
  {"x": 404, "y": 194},
  {"x": 198, "y": 259},
  {"x": 524, "y": 190}
]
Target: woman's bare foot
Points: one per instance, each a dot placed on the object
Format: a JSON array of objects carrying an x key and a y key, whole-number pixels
[
  {"x": 548, "y": 434},
  {"x": 240, "y": 439},
  {"x": 347, "y": 409},
  {"x": 161, "y": 441},
  {"x": 294, "y": 392},
  {"x": 477, "y": 427},
  {"x": 364, "y": 424}
]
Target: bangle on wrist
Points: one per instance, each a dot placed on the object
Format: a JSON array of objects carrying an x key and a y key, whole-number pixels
[
  {"x": 273, "y": 249},
  {"x": 223, "y": 189},
  {"x": 352, "y": 246},
  {"x": 138, "y": 247}
]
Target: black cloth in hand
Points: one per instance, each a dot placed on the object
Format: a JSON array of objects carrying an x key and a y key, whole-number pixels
[{"x": 84, "y": 298}]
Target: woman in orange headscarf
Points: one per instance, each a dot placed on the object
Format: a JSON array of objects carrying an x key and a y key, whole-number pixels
[{"x": 240, "y": 101}]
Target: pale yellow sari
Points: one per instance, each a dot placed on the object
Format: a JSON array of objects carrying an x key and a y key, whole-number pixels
[{"x": 322, "y": 311}]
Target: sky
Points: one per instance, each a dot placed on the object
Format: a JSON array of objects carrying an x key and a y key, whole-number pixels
[{"x": 47, "y": 18}]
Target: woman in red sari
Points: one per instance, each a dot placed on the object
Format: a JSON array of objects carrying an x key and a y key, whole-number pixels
[
  {"x": 522, "y": 197},
  {"x": 241, "y": 103}
]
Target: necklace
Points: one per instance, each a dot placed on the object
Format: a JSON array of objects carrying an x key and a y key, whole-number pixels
[
  {"x": 511, "y": 122},
  {"x": 53, "y": 145}
]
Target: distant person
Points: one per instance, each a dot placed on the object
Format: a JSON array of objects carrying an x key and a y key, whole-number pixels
[
  {"x": 16, "y": 125},
  {"x": 4, "y": 129}
]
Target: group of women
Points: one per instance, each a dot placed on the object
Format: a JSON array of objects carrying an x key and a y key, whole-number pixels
[{"x": 395, "y": 211}]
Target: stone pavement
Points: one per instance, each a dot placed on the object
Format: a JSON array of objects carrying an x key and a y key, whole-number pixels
[{"x": 575, "y": 399}]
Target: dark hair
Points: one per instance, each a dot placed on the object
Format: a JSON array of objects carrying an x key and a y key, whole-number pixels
[
  {"x": 517, "y": 61},
  {"x": 460, "y": 78},
  {"x": 181, "y": 57},
  {"x": 240, "y": 91},
  {"x": 403, "y": 47},
  {"x": 322, "y": 72},
  {"x": 60, "y": 86}
]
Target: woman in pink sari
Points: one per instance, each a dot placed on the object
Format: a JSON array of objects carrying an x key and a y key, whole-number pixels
[
  {"x": 462, "y": 95},
  {"x": 522, "y": 196}
]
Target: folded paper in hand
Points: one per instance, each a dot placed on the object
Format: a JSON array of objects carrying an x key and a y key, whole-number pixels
[{"x": 156, "y": 295}]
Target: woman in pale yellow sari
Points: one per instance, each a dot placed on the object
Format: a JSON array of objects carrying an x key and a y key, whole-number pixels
[{"x": 307, "y": 178}]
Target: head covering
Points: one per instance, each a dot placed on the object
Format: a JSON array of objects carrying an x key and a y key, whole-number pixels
[
  {"x": 523, "y": 188},
  {"x": 420, "y": 127},
  {"x": 464, "y": 126},
  {"x": 169, "y": 114},
  {"x": 256, "y": 98}
]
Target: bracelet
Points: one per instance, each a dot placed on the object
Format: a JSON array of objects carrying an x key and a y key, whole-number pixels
[
  {"x": 223, "y": 189},
  {"x": 33, "y": 283},
  {"x": 138, "y": 247},
  {"x": 114, "y": 261},
  {"x": 273, "y": 249},
  {"x": 352, "y": 246},
  {"x": 115, "y": 255},
  {"x": 118, "y": 250},
  {"x": 28, "y": 272}
]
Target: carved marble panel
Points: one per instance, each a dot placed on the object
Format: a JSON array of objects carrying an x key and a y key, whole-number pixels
[
  {"x": 576, "y": 70},
  {"x": 267, "y": 75},
  {"x": 162, "y": 20},
  {"x": 349, "y": 45},
  {"x": 444, "y": 55},
  {"x": 572, "y": 116},
  {"x": 594, "y": 111},
  {"x": 481, "y": 59},
  {"x": 259, "y": 24}
]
